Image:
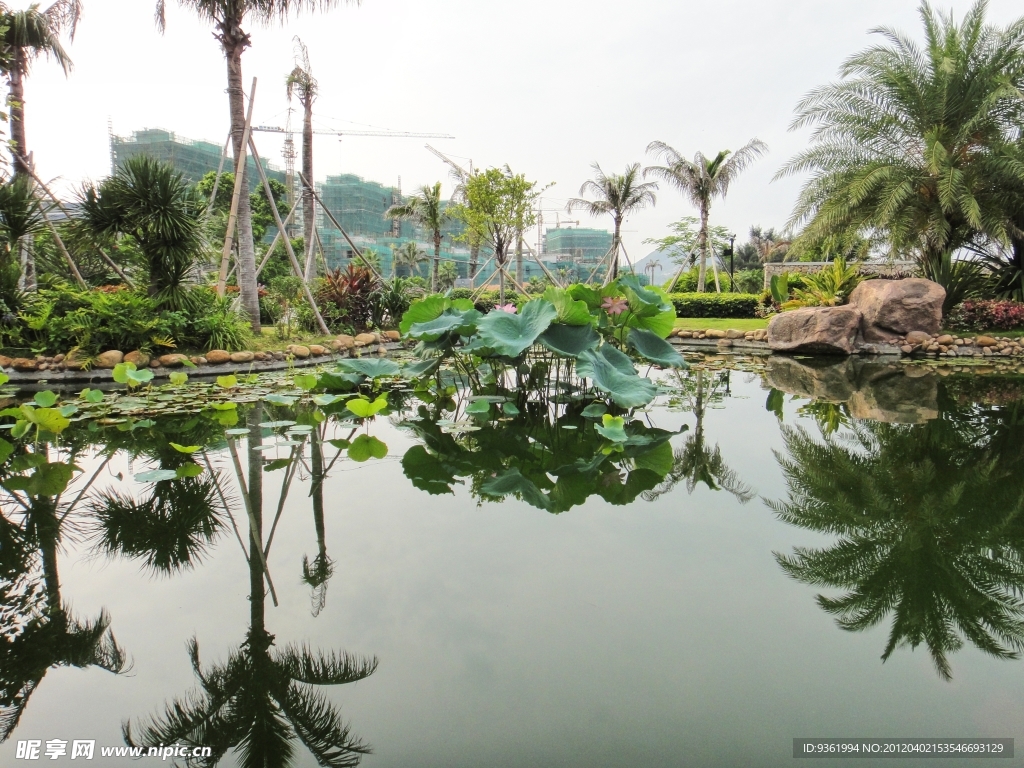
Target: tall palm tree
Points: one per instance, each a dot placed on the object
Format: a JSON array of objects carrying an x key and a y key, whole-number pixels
[
  {"x": 447, "y": 274},
  {"x": 32, "y": 33},
  {"x": 408, "y": 256},
  {"x": 701, "y": 181},
  {"x": 652, "y": 266},
  {"x": 304, "y": 86},
  {"x": 618, "y": 195},
  {"x": 426, "y": 209},
  {"x": 227, "y": 17},
  {"x": 914, "y": 141}
]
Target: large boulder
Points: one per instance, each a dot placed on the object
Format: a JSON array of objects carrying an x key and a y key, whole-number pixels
[
  {"x": 109, "y": 359},
  {"x": 820, "y": 378},
  {"x": 892, "y": 308},
  {"x": 822, "y": 330}
]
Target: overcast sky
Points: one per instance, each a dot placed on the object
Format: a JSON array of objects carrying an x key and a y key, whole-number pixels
[{"x": 547, "y": 86}]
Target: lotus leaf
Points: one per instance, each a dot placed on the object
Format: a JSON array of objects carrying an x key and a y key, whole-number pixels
[
  {"x": 613, "y": 373},
  {"x": 189, "y": 470},
  {"x": 270, "y": 466},
  {"x": 511, "y": 335},
  {"x": 569, "y": 340},
  {"x": 373, "y": 367},
  {"x": 427, "y": 472},
  {"x": 422, "y": 311},
  {"x": 570, "y": 311},
  {"x": 510, "y": 409},
  {"x": 595, "y": 411},
  {"x": 178, "y": 378},
  {"x": 340, "y": 382},
  {"x": 365, "y": 447},
  {"x": 91, "y": 395},
  {"x": 226, "y": 382},
  {"x": 156, "y": 475},
  {"x": 479, "y": 408},
  {"x": 451, "y": 321},
  {"x": 185, "y": 448},
  {"x": 305, "y": 381},
  {"x": 654, "y": 348},
  {"x": 362, "y": 408},
  {"x": 45, "y": 399},
  {"x": 279, "y": 399},
  {"x": 512, "y": 481},
  {"x": 421, "y": 368},
  {"x": 612, "y": 428}
]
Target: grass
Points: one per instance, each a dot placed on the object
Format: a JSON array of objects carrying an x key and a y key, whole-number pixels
[
  {"x": 722, "y": 324},
  {"x": 269, "y": 340},
  {"x": 1016, "y": 333}
]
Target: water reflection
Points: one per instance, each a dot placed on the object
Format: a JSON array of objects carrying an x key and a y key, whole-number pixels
[{"x": 929, "y": 524}]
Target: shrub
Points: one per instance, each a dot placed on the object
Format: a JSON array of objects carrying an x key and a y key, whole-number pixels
[
  {"x": 687, "y": 282},
  {"x": 981, "y": 315},
  {"x": 715, "y": 304},
  {"x": 828, "y": 287},
  {"x": 488, "y": 300}
]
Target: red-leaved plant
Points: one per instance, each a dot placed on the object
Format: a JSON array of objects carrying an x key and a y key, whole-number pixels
[{"x": 987, "y": 314}]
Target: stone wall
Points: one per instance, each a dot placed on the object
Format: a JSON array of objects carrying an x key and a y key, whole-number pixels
[{"x": 870, "y": 268}]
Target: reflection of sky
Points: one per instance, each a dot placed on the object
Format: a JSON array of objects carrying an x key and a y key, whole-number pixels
[{"x": 655, "y": 634}]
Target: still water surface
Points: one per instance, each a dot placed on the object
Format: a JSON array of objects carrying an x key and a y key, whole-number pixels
[{"x": 630, "y": 612}]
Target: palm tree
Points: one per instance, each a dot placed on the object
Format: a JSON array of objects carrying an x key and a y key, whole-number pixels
[
  {"x": 261, "y": 699},
  {"x": 408, "y": 256},
  {"x": 426, "y": 209},
  {"x": 31, "y": 33},
  {"x": 21, "y": 217},
  {"x": 227, "y": 17},
  {"x": 447, "y": 274},
  {"x": 768, "y": 243},
  {"x": 652, "y": 266},
  {"x": 301, "y": 83},
  {"x": 929, "y": 524},
  {"x": 914, "y": 142},
  {"x": 701, "y": 181},
  {"x": 617, "y": 195}
]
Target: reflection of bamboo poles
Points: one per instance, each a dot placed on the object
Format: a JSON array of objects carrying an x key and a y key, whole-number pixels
[
  {"x": 78, "y": 498},
  {"x": 229, "y": 235},
  {"x": 288, "y": 475},
  {"x": 287, "y": 243},
  {"x": 224, "y": 503},
  {"x": 253, "y": 525}
]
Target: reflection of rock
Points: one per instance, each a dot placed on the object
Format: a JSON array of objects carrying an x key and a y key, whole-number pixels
[
  {"x": 876, "y": 391},
  {"x": 828, "y": 330},
  {"x": 894, "y": 308}
]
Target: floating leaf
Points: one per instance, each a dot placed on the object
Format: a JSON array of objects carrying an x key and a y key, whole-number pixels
[
  {"x": 156, "y": 475},
  {"x": 189, "y": 470},
  {"x": 45, "y": 399},
  {"x": 236, "y": 432},
  {"x": 613, "y": 373},
  {"x": 479, "y": 407},
  {"x": 372, "y": 367},
  {"x": 654, "y": 348},
  {"x": 279, "y": 399},
  {"x": 426, "y": 471},
  {"x": 511, "y": 335},
  {"x": 226, "y": 406},
  {"x": 185, "y": 448},
  {"x": 226, "y": 382},
  {"x": 68, "y": 410},
  {"x": 139, "y": 377},
  {"x": 91, "y": 395},
  {"x": 178, "y": 378},
  {"x": 365, "y": 447},
  {"x": 275, "y": 424}
]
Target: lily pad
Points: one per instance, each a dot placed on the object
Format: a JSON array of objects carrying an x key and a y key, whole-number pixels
[
  {"x": 275, "y": 424},
  {"x": 156, "y": 475},
  {"x": 236, "y": 432},
  {"x": 373, "y": 367},
  {"x": 45, "y": 399},
  {"x": 280, "y": 399}
]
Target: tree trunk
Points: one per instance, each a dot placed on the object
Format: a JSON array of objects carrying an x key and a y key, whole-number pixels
[
  {"x": 437, "y": 261},
  {"x": 246, "y": 248},
  {"x": 615, "y": 249},
  {"x": 257, "y": 588},
  {"x": 519, "y": 258},
  {"x": 702, "y": 246},
  {"x": 308, "y": 214},
  {"x": 17, "y": 111},
  {"x": 474, "y": 258}
]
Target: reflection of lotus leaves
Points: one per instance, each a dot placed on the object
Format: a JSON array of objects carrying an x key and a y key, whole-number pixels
[{"x": 875, "y": 391}]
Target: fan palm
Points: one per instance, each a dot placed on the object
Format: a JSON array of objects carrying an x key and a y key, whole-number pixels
[
  {"x": 29, "y": 34},
  {"x": 426, "y": 209},
  {"x": 618, "y": 195},
  {"x": 930, "y": 524},
  {"x": 158, "y": 208},
  {"x": 447, "y": 274},
  {"x": 912, "y": 142},
  {"x": 227, "y": 17},
  {"x": 408, "y": 256},
  {"x": 301, "y": 84},
  {"x": 701, "y": 181}
]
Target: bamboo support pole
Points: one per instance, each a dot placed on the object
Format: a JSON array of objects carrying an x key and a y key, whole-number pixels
[
  {"x": 270, "y": 250},
  {"x": 216, "y": 179},
  {"x": 67, "y": 256},
  {"x": 287, "y": 243},
  {"x": 341, "y": 229},
  {"x": 233, "y": 213},
  {"x": 253, "y": 526}
]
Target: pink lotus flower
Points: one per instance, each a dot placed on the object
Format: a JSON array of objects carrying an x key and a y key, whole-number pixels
[
  {"x": 510, "y": 308},
  {"x": 614, "y": 305}
]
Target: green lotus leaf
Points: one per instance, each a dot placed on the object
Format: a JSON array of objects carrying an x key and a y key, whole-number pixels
[
  {"x": 275, "y": 424},
  {"x": 139, "y": 377},
  {"x": 365, "y": 447},
  {"x": 589, "y": 296},
  {"x": 68, "y": 410},
  {"x": 479, "y": 408},
  {"x": 570, "y": 311},
  {"x": 372, "y": 367},
  {"x": 4, "y": 378},
  {"x": 451, "y": 321},
  {"x": 339, "y": 382},
  {"x": 156, "y": 475},
  {"x": 512, "y": 481},
  {"x": 189, "y": 470},
  {"x": 120, "y": 372},
  {"x": 51, "y": 479},
  {"x": 421, "y": 368},
  {"x": 270, "y": 466},
  {"x": 569, "y": 340},
  {"x": 45, "y": 399},
  {"x": 612, "y": 428},
  {"x": 226, "y": 382},
  {"x": 91, "y": 395},
  {"x": 6, "y": 449},
  {"x": 660, "y": 323},
  {"x": 612, "y": 372},
  {"x": 185, "y": 448},
  {"x": 659, "y": 459},
  {"x": 426, "y": 471},
  {"x": 511, "y": 335},
  {"x": 422, "y": 311},
  {"x": 237, "y": 432},
  {"x": 178, "y": 378},
  {"x": 228, "y": 406},
  {"x": 279, "y": 399},
  {"x": 363, "y": 408},
  {"x": 595, "y": 411},
  {"x": 50, "y": 419},
  {"x": 510, "y": 409},
  {"x": 305, "y": 381},
  {"x": 654, "y": 348},
  {"x": 327, "y": 399}
]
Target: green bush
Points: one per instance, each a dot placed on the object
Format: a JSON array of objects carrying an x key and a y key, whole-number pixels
[
  {"x": 715, "y": 304},
  {"x": 687, "y": 282},
  {"x": 487, "y": 300}
]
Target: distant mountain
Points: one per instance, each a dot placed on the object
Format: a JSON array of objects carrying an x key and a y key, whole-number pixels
[{"x": 664, "y": 271}]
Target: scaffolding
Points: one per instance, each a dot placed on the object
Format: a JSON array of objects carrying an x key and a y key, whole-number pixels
[{"x": 193, "y": 159}]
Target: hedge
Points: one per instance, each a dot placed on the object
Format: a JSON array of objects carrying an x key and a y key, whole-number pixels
[{"x": 715, "y": 304}]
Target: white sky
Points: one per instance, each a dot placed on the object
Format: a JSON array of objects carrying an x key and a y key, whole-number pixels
[{"x": 548, "y": 86}]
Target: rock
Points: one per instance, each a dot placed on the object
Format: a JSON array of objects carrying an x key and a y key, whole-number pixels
[
  {"x": 732, "y": 333},
  {"x": 261, "y": 356},
  {"x": 344, "y": 341},
  {"x": 945, "y": 340},
  {"x": 155, "y": 363},
  {"x": 140, "y": 359},
  {"x": 725, "y": 342},
  {"x": 241, "y": 357},
  {"x": 985, "y": 341},
  {"x": 317, "y": 349},
  {"x": 197, "y": 360},
  {"x": 75, "y": 360},
  {"x": 298, "y": 350},
  {"x": 56, "y": 359},
  {"x": 906, "y": 349},
  {"x": 393, "y": 335},
  {"x": 684, "y": 334},
  {"x": 218, "y": 356},
  {"x": 109, "y": 358},
  {"x": 44, "y": 366},
  {"x": 919, "y": 337},
  {"x": 278, "y": 355},
  {"x": 172, "y": 361},
  {"x": 987, "y": 351},
  {"x": 24, "y": 364},
  {"x": 892, "y": 308},
  {"x": 7, "y": 362},
  {"x": 827, "y": 330},
  {"x": 897, "y": 399},
  {"x": 364, "y": 339}
]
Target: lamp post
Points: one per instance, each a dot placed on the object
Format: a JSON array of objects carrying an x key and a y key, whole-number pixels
[{"x": 732, "y": 251}]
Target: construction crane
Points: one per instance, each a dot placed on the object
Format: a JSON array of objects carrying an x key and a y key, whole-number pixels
[
  {"x": 392, "y": 134},
  {"x": 457, "y": 170}
]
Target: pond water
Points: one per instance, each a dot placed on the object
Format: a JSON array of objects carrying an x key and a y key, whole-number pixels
[{"x": 772, "y": 550}]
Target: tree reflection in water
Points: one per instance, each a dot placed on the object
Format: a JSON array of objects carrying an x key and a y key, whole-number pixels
[{"x": 930, "y": 527}]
